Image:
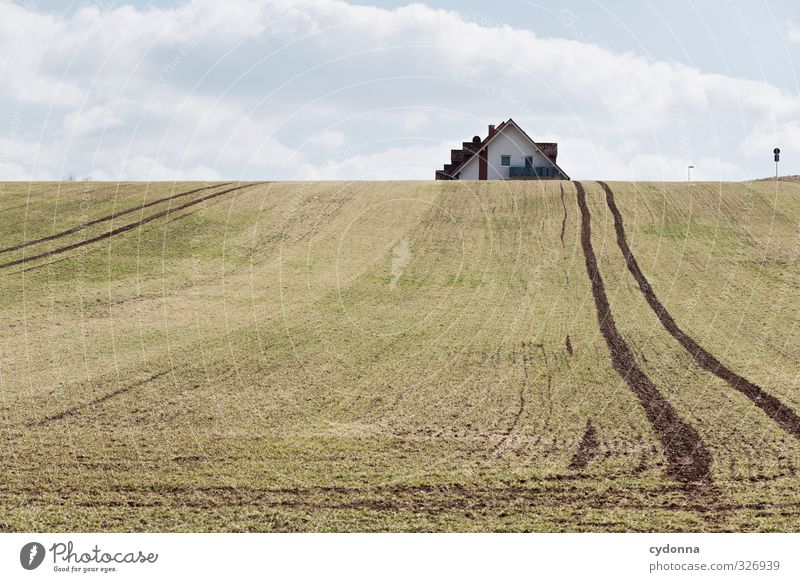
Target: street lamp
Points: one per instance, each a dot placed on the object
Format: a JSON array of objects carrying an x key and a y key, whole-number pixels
[{"x": 689, "y": 173}]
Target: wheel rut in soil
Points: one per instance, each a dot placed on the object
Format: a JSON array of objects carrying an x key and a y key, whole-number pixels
[
  {"x": 78, "y": 408},
  {"x": 122, "y": 229},
  {"x": 564, "y": 219},
  {"x": 106, "y": 218},
  {"x": 783, "y": 415},
  {"x": 587, "y": 449},
  {"x": 688, "y": 456},
  {"x": 526, "y": 360}
]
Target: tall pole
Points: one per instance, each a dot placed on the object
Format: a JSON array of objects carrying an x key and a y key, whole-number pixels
[
  {"x": 689, "y": 173},
  {"x": 777, "y": 153}
]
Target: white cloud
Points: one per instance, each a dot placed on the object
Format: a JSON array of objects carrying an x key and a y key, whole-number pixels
[
  {"x": 329, "y": 139},
  {"x": 91, "y": 120},
  {"x": 10, "y": 171},
  {"x": 394, "y": 163},
  {"x": 792, "y": 32},
  {"x": 415, "y": 120},
  {"x": 295, "y": 88},
  {"x": 143, "y": 168},
  {"x": 762, "y": 141}
]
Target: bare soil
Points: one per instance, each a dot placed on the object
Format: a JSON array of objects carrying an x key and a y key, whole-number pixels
[{"x": 587, "y": 449}]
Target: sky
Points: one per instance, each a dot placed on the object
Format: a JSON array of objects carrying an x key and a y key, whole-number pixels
[{"x": 328, "y": 89}]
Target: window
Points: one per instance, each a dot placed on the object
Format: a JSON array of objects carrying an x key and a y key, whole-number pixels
[
  {"x": 505, "y": 160},
  {"x": 528, "y": 161}
]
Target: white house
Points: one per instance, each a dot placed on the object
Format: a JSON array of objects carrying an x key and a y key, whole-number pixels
[{"x": 507, "y": 153}]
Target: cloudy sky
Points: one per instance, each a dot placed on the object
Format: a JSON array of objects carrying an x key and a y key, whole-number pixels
[{"x": 328, "y": 89}]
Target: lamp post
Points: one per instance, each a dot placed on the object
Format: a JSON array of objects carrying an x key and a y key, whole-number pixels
[{"x": 689, "y": 173}]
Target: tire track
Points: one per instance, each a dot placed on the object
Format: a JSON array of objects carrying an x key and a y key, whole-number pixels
[
  {"x": 526, "y": 358},
  {"x": 564, "y": 219},
  {"x": 689, "y": 458},
  {"x": 549, "y": 385},
  {"x": 106, "y": 218},
  {"x": 563, "y": 231},
  {"x": 783, "y": 415},
  {"x": 330, "y": 208},
  {"x": 56, "y": 261},
  {"x": 587, "y": 449},
  {"x": 80, "y": 407},
  {"x": 122, "y": 229}
]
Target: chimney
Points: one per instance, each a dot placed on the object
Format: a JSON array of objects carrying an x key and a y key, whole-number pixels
[{"x": 491, "y": 130}]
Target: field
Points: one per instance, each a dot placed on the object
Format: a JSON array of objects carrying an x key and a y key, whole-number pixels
[{"x": 402, "y": 356}]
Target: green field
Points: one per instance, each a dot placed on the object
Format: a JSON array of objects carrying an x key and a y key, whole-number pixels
[{"x": 403, "y": 356}]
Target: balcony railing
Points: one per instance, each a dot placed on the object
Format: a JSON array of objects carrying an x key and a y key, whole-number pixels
[{"x": 531, "y": 172}]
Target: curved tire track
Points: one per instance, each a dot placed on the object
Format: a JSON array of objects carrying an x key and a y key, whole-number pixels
[
  {"x": 122, "y": 229},
  {"x": 689, "y": 458},
  {"x": 106, "y": 218},
  {"x": 786, "y": 418}
]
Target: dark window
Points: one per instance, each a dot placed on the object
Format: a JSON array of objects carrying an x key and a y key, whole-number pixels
[
  {"x": 505, "y": 160},
  {"x": 528, "y": 161}
]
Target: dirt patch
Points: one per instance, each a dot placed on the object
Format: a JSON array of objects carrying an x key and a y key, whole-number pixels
[
  {"x": 190, "y": 459},
  {"x": 122, "y": 229},
  {"x": 689, "y": 458},
  {"x": 78, "y": 408},
  {"x": 106, "y": 218},
  {"x": 587, "y": 449},
  {"x": 786, "y": 418}
]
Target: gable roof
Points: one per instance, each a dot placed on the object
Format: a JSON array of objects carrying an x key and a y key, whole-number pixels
[{"x": 488, "y": 139}]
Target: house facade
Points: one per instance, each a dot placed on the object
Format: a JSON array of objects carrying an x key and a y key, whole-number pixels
[{"x": 507, "y": 153}]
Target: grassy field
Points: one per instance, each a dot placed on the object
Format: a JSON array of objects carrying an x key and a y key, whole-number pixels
[{"x": 409, "y": 356}]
